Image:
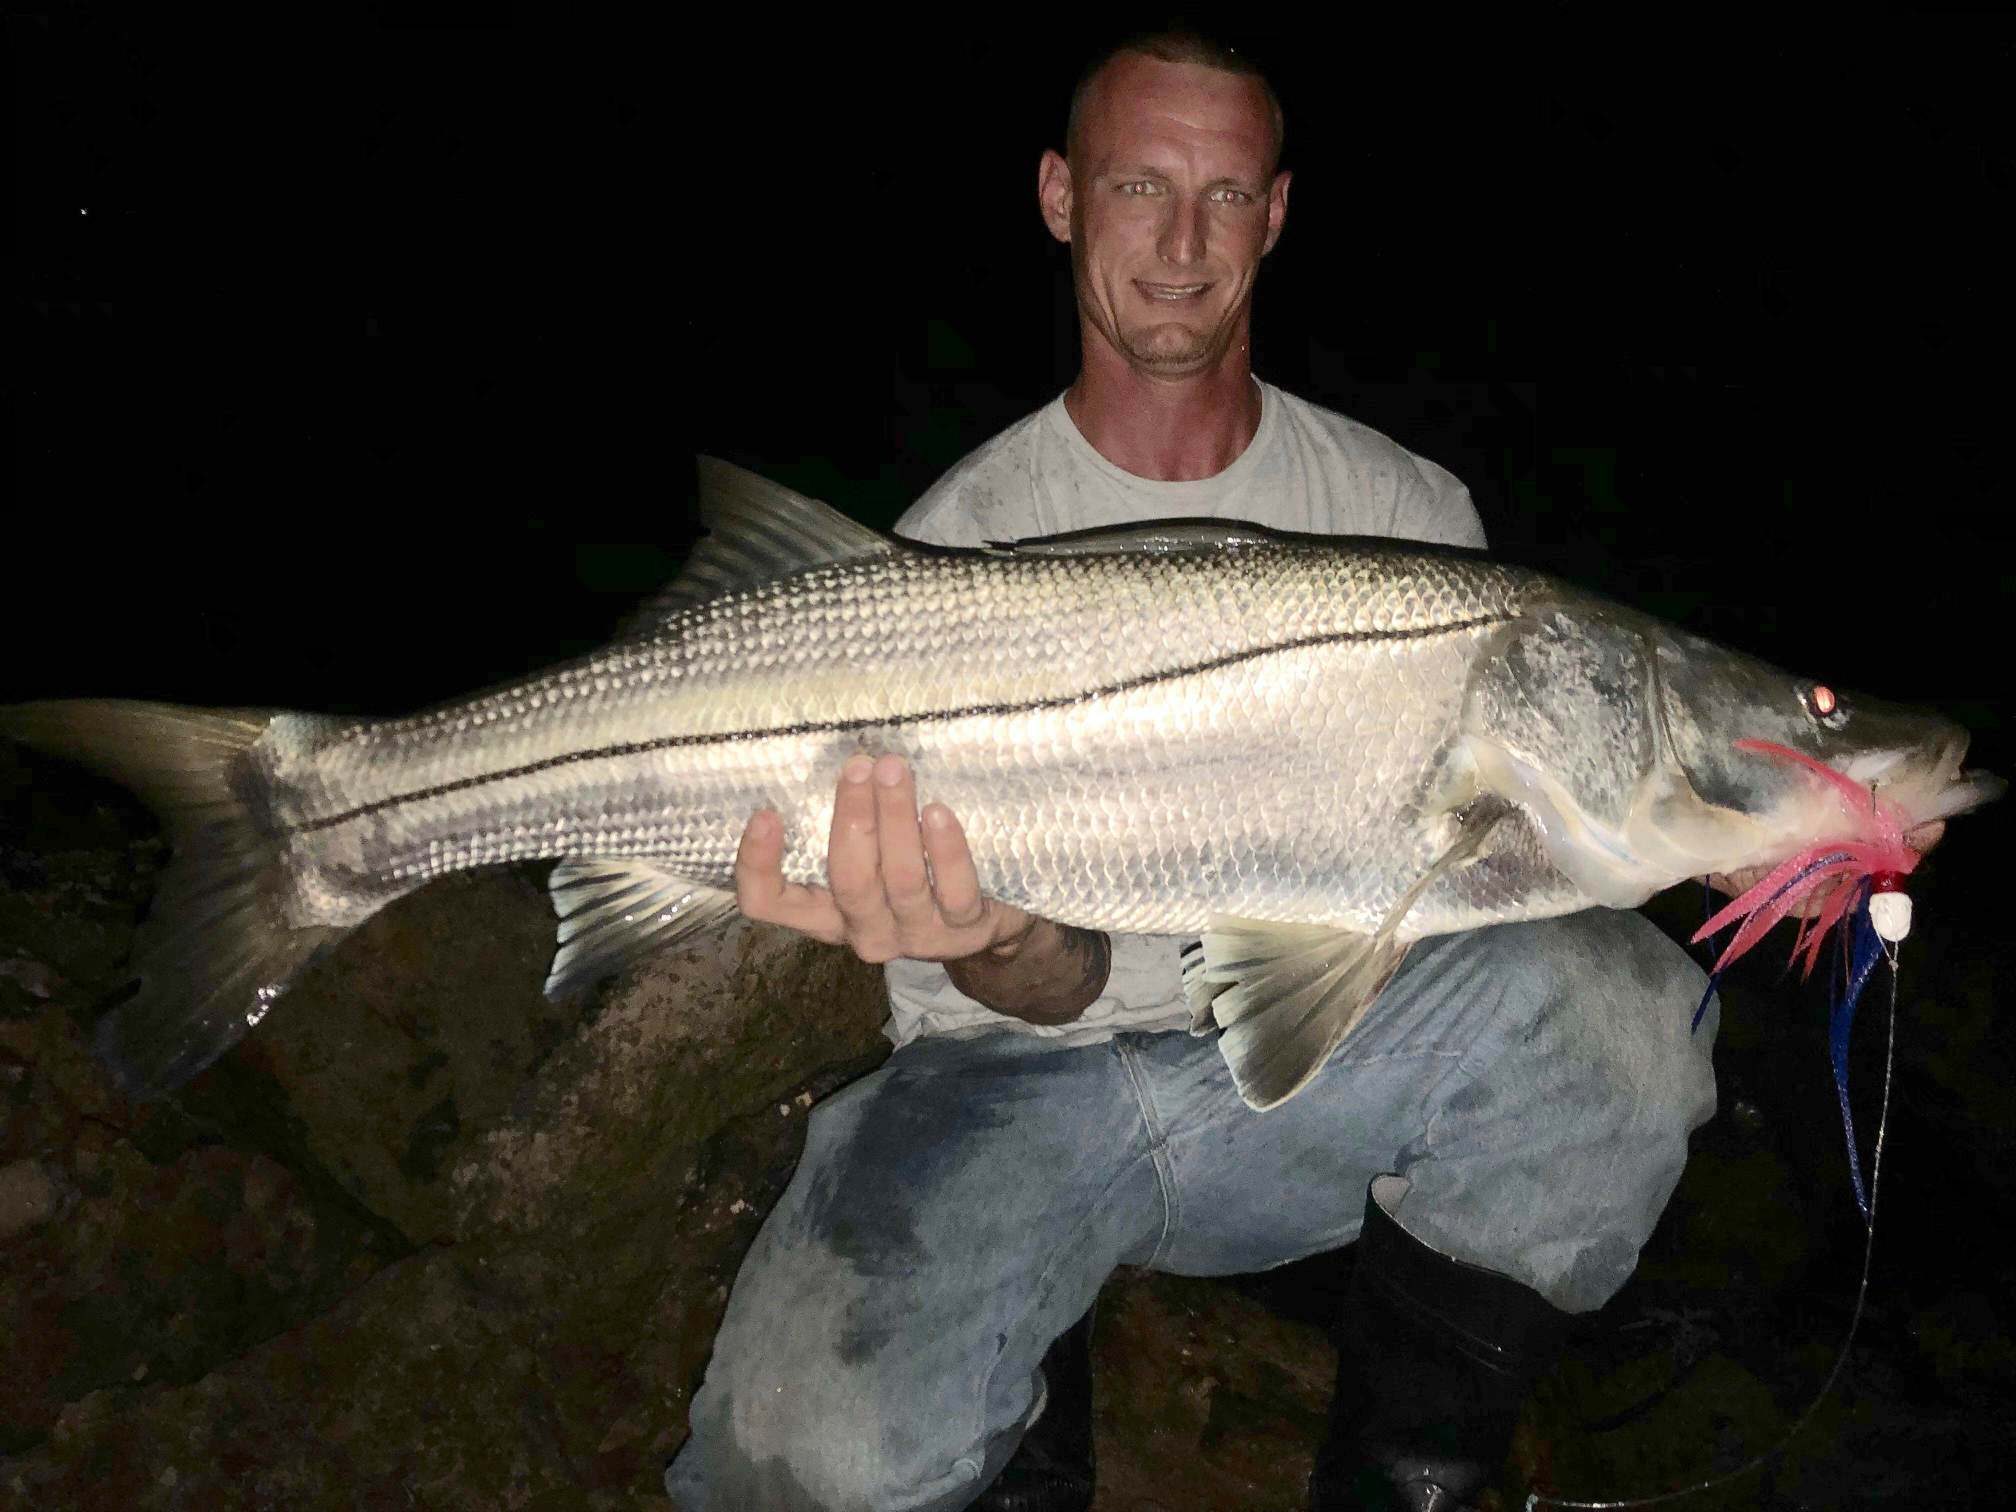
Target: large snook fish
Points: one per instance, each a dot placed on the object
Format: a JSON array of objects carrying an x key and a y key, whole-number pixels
[{"x": 1309, "y": 751}]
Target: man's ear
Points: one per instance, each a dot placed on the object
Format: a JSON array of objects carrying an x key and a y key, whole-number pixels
[
  {"x": 1277, "y": 209},
  {"x": 1053, "y": 194}
]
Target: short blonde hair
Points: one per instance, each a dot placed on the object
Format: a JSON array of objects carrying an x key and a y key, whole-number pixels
[{"x": 1177, "y": 45}]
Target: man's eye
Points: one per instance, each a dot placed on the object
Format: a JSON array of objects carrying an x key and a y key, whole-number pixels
[
  {"x": 1233, "y": 197},
  {"x": 1139, "y": 186}
]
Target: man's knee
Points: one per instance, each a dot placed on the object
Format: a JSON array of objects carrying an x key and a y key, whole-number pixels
[
  {"x": 788, "y": 1439},
  {"x": 1612, "y": 1001},
  {"x": 1553, "y": 1162}
]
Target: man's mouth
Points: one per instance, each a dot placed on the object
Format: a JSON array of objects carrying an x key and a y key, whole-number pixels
[{"x": 1170, "y": 293}]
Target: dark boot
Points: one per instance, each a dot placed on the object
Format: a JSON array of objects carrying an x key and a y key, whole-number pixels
[
  {"x": 1051, "y": 1469},
  {"x": 1434, "y": 1360}
]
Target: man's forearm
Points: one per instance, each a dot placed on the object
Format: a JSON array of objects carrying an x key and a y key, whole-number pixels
[{"x": 1048, "y": 974}]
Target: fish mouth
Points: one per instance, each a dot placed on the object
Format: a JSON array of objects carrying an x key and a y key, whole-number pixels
[
  {"x": 1926, "y": 794},
  {"x": 1924, "y": 784},
  {"x": 1897, "y": 765},
  {"x": 1968, "y": 791},
  {"x": 1922, "y": 790}
]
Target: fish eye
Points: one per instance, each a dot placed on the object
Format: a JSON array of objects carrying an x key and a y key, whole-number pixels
[{"x": 1825, "y": 705}]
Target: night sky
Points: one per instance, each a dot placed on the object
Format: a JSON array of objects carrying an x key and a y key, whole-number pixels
[{"x": 353, "y": 368}]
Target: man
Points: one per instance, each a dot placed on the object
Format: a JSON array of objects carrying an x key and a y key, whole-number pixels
[{"x": 1522, "y": 1095}]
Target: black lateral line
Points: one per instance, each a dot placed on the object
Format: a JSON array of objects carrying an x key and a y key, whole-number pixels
[{"x": 934, "y": 716}]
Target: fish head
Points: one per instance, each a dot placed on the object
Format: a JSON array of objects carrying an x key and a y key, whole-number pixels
[
  {"x": 1731, "y": 726},
  {"x": 1635, "y": 749}
]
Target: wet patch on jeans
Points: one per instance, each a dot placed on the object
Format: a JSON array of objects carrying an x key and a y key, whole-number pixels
[
  {"x": 768, "y": 1482},
  {"x": 863, "y": 1338},
  {"x": 907, "y": 1146},
  {"x": 1605, "y": 939},
  {"x": 922, "y": 1182},
  {"x": 1322, "y": 1166}
]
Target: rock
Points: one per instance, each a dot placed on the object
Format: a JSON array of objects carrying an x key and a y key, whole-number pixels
[
  {"x": 27, "y": 1197},
  {"x": 1202, "y": 1397},
  {"x": 35, "y": 979},
  {"x": 424, "y": 1234}
]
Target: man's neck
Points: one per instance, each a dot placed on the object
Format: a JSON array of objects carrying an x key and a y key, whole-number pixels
[{"x": 1169, "y": 430}]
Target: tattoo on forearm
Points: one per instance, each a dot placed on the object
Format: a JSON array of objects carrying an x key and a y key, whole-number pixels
[
  {"x": 1048, "y": 979},
  {"x": 1092, "y": 953}
]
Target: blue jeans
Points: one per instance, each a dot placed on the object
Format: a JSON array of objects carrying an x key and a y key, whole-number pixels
[{"x": 960, "y": 1207}]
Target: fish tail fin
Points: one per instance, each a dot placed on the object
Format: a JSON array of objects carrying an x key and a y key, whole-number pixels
[{"x": 216, "y": 949}]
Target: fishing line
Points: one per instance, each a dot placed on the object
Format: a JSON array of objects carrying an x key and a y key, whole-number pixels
[{"x": 1537, "y": 1499}]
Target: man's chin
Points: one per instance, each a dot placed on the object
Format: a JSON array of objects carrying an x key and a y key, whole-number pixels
[{"x": 1162, "y": 352}]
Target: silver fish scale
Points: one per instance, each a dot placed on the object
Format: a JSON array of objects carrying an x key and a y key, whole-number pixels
[{"x": 1135, "y": 743}]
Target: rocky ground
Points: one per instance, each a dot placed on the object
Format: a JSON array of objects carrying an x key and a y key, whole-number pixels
[{"x": 427, "y": 1240}]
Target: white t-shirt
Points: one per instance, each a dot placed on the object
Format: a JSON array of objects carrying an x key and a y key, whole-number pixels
[{"x": 1307, "y": 469}]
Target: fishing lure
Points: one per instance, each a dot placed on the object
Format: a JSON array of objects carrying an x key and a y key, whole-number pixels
[{"x": 1848, "y": 890}]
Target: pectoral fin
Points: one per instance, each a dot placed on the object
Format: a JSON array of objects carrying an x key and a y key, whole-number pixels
[
  {"x": 1200, "y": 992},
  {"x": 1286, "y": 995}
]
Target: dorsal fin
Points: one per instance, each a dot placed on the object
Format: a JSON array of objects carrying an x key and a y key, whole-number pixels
[{"x": 756, "y": 531}]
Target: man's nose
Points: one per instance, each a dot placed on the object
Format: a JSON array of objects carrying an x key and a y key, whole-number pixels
[{"x": 1182, "y": 239}]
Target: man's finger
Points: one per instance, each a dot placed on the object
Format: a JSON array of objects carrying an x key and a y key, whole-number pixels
[
  {"x": 906, "y": 884},
  {"x": 953, "y": 878},
  {"x": 854, "y": 864},
  {"x": 759, "y": 863},
  {"x": 761, "y": 891}
]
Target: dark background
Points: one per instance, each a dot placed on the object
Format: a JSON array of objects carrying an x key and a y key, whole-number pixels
[
  {"x": 349, "y": 367},
  {"x": 353, "y": 367}
]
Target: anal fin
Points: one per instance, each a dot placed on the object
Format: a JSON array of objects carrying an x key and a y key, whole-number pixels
[{"x": 613, "y": 912}]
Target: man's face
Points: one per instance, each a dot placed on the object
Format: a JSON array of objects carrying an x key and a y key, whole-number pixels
[{"x": 1169, "y": 201}]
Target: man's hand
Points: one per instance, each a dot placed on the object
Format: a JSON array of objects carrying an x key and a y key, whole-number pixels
[{"x": 901, "y": 885}]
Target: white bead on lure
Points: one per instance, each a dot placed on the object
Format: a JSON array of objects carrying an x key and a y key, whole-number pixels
[{"x": 1889, "y": 906}]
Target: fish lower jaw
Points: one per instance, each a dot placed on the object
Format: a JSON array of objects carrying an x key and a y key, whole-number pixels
[
  {"x": 1738, "y": 880},
  {"x": 1739, "y": 877},
  {"x": 1735, "y": 883}
]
